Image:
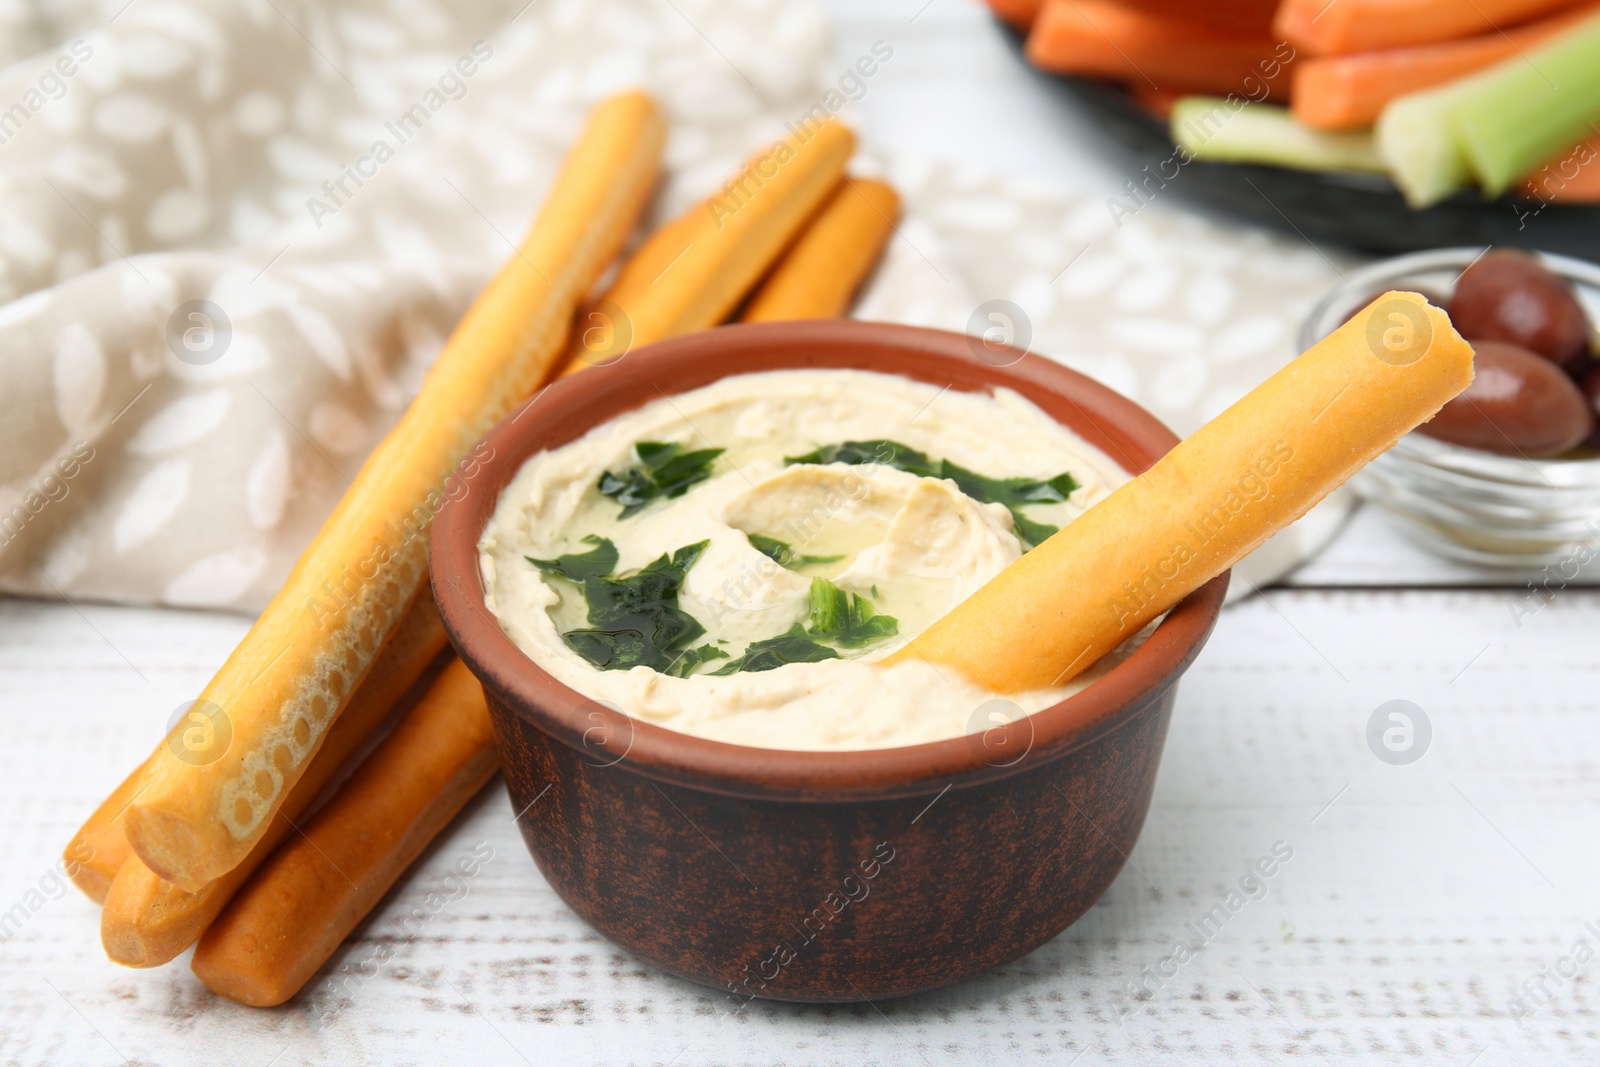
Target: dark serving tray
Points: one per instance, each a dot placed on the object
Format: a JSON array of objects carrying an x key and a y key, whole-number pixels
[{"x": 1358, "y": 211}]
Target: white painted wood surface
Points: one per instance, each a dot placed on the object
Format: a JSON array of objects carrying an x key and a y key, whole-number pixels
[{"x": 1418, "y": 901}]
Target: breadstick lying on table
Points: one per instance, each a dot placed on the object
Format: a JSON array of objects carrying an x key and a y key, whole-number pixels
[
  {"x": 693, "y": 271},
  {"x": 295, "y": 670},
  {"x": 283, "y": 925},
  {"x": 99, "y": 849},
  {"x": 148, "y": 921},
  {"x": 819, "y": 275},
  {"x": 1203, "y": 506}
]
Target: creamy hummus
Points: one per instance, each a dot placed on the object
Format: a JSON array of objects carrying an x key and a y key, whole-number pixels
[{"x": 900, "y": 546}]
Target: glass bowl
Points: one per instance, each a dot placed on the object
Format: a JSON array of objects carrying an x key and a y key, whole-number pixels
[{"x": 1460, "y": 503}]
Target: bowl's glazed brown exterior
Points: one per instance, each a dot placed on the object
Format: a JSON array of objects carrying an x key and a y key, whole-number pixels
[{"x": 819, "y": 876}]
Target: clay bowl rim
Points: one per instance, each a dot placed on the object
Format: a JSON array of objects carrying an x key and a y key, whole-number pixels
[{"x": 571, "y": 406}]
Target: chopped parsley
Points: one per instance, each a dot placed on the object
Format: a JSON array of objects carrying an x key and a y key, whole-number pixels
[
  {"x": 781, "y": 553},
  {"x": 634, "y": 621},
  {"x": 838, "y": 618},
  {"x": 846, "y": 619},
  {"x": 1012, "y": 493},
  {"x": 768, "y": 654},
  {"x": 856, "y": 453},
  {"x": 575, "y": 567},
  {"x": 664, "y": 470},
  {"x": 691, "y": 659}
]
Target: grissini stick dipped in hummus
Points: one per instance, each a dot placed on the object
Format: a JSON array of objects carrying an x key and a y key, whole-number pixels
[
  {"x": 314, "y": 890},
  {"x": 693, "y": 271},
  {"x": 98, "y": 850},
  {"x": 295, "y": 670},
  {"x": 819, "y": 275},
  {"x": 1203, "y": 506},
  {"x": 148, "y": 921}
]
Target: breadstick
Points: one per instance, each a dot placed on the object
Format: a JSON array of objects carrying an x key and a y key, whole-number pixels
[
  {"x": 693, "y": 272},
  {"x": 1233, "y": 483},
  {"x": 601, "y": 336},
  {"x": 99, "y": 849},
  {"x": 819, "y": 275},
  {"x": 289, "y": 678},
  {"x": 96, "y": 852},
  {"x": 148, "y": 921},
  {"x": 314, "y": 890}
]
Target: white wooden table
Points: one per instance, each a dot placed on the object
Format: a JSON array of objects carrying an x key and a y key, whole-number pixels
[{"x": 1420, "y": 898}]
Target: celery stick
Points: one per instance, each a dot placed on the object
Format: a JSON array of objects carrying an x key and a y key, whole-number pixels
[
  {"x": 1529, "y": 108},
  {"x": 1211, "y": 128},
  {"x": 1415, "y": 138}
]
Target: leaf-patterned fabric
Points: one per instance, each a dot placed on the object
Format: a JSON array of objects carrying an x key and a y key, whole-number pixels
[{"x": 234, "y": 233}]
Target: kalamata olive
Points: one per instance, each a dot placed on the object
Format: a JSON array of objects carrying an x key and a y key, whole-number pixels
[
  {"x": 1510, "y": 296},
  {"x": 1518, "y": 404},
  {"x": 1591, "y": 393}
]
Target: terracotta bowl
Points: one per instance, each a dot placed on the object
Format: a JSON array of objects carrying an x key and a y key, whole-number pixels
[{"x": 819, "y": 876}]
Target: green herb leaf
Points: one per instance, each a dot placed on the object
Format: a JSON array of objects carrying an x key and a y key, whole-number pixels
[
  {"x": 769, "y": 654},
  {"x": 1013, "y": 493},
  {"x": 634, "y": 621},
  {"x": 846, "y": 619},
  {"x": 664, "y": 471},
  {"x": 633, "y": 489},
  {"x": 1030, "y": 533},
  {"x": 611, "y": 650},
  {"x": 838, "y": 617},
  {"x": 775, "y": 550},
  {"x": 856, "y": 453},
  {"x": 691, "y": 660},
  {"x": 679, "y": 562},
  {"x": 779, "y": 552},
  {"x": 595, "y": 563}
]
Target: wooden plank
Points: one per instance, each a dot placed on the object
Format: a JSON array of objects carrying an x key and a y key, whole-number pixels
[{"x": 1414, "y": 906}]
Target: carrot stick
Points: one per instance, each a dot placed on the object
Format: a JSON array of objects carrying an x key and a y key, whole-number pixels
[
  {"x": 1019, "y": 13},
  {"x": 1347, "y": 26},
  {"x": 694, "y": 270},
  {"x": 1103, "y": 40},
  {"x": 819, "y": 275},
  {"x": 1159, "y": 102},
  {"x": 1235, "y": 15},
  {"x": 1340, "y": 92},
  {"x": 293, "y": 673},
  {"x": 1253, "y": 16},
  {"x": 1573, "y": 177},
  {"x": 148, "y": 921},
  {"x": 1199, "y": 509},
  {"x": 301, "y": 905}
]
